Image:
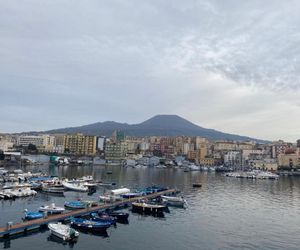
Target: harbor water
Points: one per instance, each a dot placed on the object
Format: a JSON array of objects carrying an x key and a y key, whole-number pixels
[{"x": 225, "y": 213}]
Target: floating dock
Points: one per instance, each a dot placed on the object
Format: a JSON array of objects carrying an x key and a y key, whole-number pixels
[{"x": 24, "y": 227}]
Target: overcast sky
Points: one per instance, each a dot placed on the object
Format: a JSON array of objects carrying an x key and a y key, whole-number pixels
[{"x": 230, "y": 65}]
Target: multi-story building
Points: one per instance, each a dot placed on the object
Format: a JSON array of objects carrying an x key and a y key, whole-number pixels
[
  {"x": 48, "y": 143},
  {"x": 187, "y": 147},
  {"x": 264, "y": 164},
  {"x": 208, "y": 161},
  {"x": 80, "y": 144},
  {"x": 25, "y": 140},
  {"x": 59, "y": 143},
  {"x": 144, "y": 146},
  {"x": 279, "y": 147},
  {"x": 101, "y": 143},
  {"x": 116, "y": 151},
  {"x": 6, "y": 145},
  {"x": 289, "y": 160},
  {"x": 233, "y": 158}
]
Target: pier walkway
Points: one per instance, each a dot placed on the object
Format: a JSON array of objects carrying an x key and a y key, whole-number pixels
[{"x": 26, "y": 226}]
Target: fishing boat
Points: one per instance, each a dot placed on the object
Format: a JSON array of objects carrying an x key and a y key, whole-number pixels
[
  {"x": 143, "y": 207},
  {"x": 51, "y": 209},
  {"x": 89, "y": 225},
  {"x": 75, "y": 205},
  {"x": 118, "y": 215},
  {"x": 29, "y": 215},
  {"x": 63, "y": 231},
  {"x": 103, "y": 217},
  {"x": 75, "y": 186},
  {"x": 174, "y": 201}
]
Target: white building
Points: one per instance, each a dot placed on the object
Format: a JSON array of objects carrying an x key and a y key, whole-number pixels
[
  {"x": 48, "y": 143},
  {"x": 100, "y": 143},
  {"x": 232, "y": 158},
  {"x": 6, "y": 145},
  {"x": 144, "y": 146},
  {"x": 25, "y": 140},
  {"x": 43, "y": 142},
  {"x": 187, "y": 147}
]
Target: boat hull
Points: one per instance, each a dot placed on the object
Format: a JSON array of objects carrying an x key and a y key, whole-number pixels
[
  {"x": 148, "y": 208},
  {"x": 88, "y": 225}
]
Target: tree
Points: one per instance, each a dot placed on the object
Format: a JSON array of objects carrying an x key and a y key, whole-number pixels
[{"x": 32, "y": 147}]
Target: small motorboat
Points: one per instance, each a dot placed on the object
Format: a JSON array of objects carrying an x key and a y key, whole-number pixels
[
  {"x": 54, "y": 189},
  {"x": 78, "y": 187},
  {"x": 29, "y": 215},
  {"x": 63, "y": 231},
  {"x": 143, "y": 207},
  {"x": 76, "y": 205},
  {"x": 89, "y": 225},
  {"x": 103, "y": 217},
  {"x": 174, "y": 201},
  {"x": 51, "y": 209}
]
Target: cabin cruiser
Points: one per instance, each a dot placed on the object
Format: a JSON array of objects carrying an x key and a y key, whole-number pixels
[{"x": 62, "y": 231}]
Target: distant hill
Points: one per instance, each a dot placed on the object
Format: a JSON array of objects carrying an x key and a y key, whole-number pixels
[{"x": 159, "y": 125}]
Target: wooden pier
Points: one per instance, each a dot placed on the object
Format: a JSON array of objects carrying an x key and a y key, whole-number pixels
[{"x": 24, "y": 227}]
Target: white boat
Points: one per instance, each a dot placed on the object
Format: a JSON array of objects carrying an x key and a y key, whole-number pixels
[
  {"x": 75, "y": 186},
  {"x": 193, "y": 167},
  {"x": 51, "y": 209},
  {"x": 62, "y": 231},
  {"x": 175, "y": 201},
  {"x": 161, "y": 166},
  {"x": 120, "y": 191},
  {"x": 17, "y": 193},
  {"x": 110, "y": 198}
]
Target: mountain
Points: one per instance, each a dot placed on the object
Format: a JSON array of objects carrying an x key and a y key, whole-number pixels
[{"x": 159, "y": 125}]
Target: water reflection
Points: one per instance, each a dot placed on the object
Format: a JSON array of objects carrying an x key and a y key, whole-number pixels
[{"x": 58, "y": 240}]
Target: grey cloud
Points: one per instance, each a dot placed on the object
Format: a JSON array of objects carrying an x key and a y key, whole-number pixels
[{"x": 85, "y": 61}]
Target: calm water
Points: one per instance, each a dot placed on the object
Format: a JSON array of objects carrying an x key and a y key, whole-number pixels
[{"x": 224, "y": 214}]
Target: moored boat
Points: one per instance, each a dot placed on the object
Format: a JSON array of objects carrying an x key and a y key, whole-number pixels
[
  {"x": 89, "y": 225},
  {"x": 75, "y": 186},
  {"x": 197, "y": 185},
  {"x": 174, "y": 201},
  {"x": 54, "y": 189},
  {"x": 51, "y": 209},
  {"x": 76, "y": 205},
  {"x": 103, "y": 217},
  {"x": 118, "y": 215},
  {"x": 63, "y": 231},
  {"x": 29, "y": 215},
  {"x": 143, "y": 207},
  {"x": 131, "y": 195}
]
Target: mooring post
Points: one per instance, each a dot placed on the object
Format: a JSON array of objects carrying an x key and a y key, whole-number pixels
[{"x": 9, "y": 225}]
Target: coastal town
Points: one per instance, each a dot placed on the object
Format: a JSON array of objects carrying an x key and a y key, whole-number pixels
[{"x": 153, "y": 151}]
